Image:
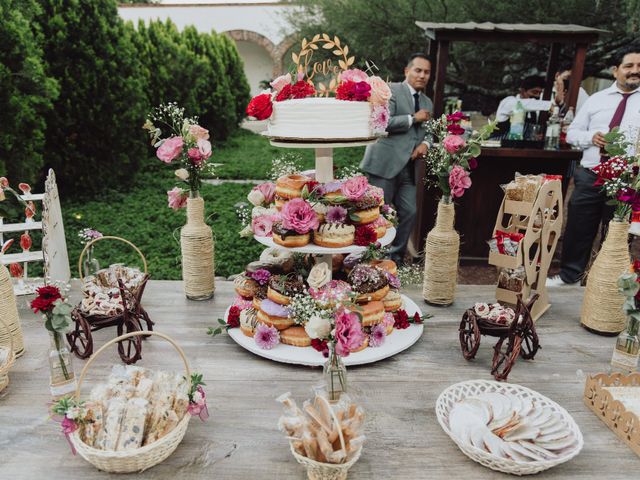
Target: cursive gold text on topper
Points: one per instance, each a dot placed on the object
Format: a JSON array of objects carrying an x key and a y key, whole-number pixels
[{"x": 326, "y": 69}]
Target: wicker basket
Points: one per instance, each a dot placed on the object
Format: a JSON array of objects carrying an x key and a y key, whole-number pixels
[
  {"x": 6, "y": 366},
  {"x": 141, "y": 458},
  {"x": 327, "y": 471},
  {"x": 459, "y": 391}
]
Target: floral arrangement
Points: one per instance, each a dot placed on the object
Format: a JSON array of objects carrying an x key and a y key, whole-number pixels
[
  {"x": 186, "y": 143},
  {"x": 88, "y": 235},
  {"x": 353, "y": 85},
  {"x": 451, "y": 160},
  {"x": 618, "y": 177},
  {"x": 629, "y": 286}
]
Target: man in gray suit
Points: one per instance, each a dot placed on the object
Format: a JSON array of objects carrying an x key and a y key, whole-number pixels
[{"x": 391, "y": 162}]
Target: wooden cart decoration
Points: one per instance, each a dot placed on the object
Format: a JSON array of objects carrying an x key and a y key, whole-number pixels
[
  {"x": 516, "y": 339},
  {"x": 540, "y": 221},
  {"x": 131, "y": 318}
]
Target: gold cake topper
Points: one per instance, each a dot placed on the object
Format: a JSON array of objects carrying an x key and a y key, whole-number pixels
[{"x": 326, "y": 69}]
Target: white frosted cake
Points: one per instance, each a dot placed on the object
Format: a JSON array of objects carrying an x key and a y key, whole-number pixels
[{"x": 320, "y": 118}]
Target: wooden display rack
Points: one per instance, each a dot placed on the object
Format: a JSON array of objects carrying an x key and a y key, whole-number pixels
[{"x": 540, "y": 222}]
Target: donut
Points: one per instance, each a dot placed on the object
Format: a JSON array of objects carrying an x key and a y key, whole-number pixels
[
  {"x": 295, "y": 336},
  {"x": 282, "y": 288},
  {"x": 278, "y": 258},
  {"x": 369, "y": 282},
  {"x": 373, "y": 296},
  {"x": 334, "y": 235},
  {"x": 292, "y": 241},
  {"x": 274, "y": 315},
  {"x": 256, "y": 303},
  {"x": 380, "y": 226},
  {"x": 245, "y": 286},
  {"x": 367, "y": 215},
  {"x": 333, "y": 292},
  {"x": 387, "y": 265},
  {"x": 389, "y": 322},
  {"x": 365, "y": 344},
  {"x": 290, "y": 186},
  {"x": 372, "y": 313},
  {"x": 392, "y": 301},
  {"x": 248, "y": 321}
]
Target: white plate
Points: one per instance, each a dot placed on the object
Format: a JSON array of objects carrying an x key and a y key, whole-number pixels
[
  {"x": 395, "y": 343},
  {"x": 453, "y": 394},
  {"x": 318, "y": 250}
]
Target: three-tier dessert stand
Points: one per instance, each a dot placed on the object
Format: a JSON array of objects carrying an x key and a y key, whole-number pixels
[{"x": 399, "y": 340}]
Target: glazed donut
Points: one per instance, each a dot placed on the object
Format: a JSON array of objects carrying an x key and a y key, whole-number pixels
[
  {"x": 392, "y": 301},
  {"x": 334, "y": 235},
  {"x": 274, "y": 315},
  {"x": 290, "y": 186},
  {"x": 380, "y": 226},
  {"x": 373, "y": 296},
  {"x": 372, "y": 313},
  {"x": 248, "y": 321},
  {"x": 365, "y": 344},
  {"x": 256, "y": 302},
  {"x": 245, "y": 286},
  {"x": 278, "y": 257},
  {"x": 292, "y": 241},
  {"x": 387, "y": 265},
  {"x": 295, "y": 336},
  {"x": 282, "y": 288},
  {"x": 367, "y": 215},
  {"x": 369, "y": 282}
]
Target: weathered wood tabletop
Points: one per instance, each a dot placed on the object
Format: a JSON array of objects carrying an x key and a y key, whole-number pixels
[{"x": 241, "y": 441}]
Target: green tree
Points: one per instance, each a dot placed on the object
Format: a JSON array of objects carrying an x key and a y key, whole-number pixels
[
  {"x": 25, "y": 95},
  {"x": 93, "y": 137}
]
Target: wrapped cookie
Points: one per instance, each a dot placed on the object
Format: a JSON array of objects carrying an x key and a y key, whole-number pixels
[
  {"x": 133, "y": 424},
  {"x": 91, "y": 425},
  {"x": 112, "y": 421}
]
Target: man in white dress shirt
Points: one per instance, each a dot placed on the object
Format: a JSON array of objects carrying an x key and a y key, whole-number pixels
[{"x": 616, "y": 106}]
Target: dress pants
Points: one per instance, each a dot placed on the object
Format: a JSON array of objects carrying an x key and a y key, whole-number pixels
[
  {"x": 587, "y": 209},
  {"x": 400, "y": 191}
]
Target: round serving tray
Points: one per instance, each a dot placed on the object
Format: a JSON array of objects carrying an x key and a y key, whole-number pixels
[
  {"x": 292, "y": 142},
  {"x": 318, "y": 250},
  {"x": 395, "y": 343}
]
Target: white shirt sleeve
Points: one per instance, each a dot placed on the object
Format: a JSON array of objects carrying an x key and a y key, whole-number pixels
[
  {"x": 410, "y": 119},
  {"x": 583, "y": 96},
  {"x": 578, "y": 133},
  {"x": 505, "y": 108}
]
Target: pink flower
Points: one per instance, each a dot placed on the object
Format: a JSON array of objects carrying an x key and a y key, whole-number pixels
[
  {"x": 4, "y": 182},
  {"x": 379, "y": 118},
  {"x": 355, "y": 188},
  {"x": 204, "y": 147},
  {"x": 198, "y": 405},
  {"x": 348, "y": 333},
  {"x": 170, "y": 149},
  {"x": 353, "y": 75},
  {"x": 68, "y": 426},
  {"x": 195, "y": 156},
  {"x": 453, "y": 143},
  {"x": 198, "y": 133},
  {"x": 459, "y": 181},
  {"x": 268, "y": 189},
  {"x": 266, "y": 337},
  {"x": 298, "y": 215},
  {"x": 262, "y": 225},
  {"x": 336, "y": 214},
  {"x": 380, "y": 91},
  {"x": 177, "y": 198},
  {"x": 378, "y": 335},
  {"x": 279, "y": 83}
]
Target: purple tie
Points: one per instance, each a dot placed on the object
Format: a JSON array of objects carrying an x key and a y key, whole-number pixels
[{"x": 616, "y": 119}]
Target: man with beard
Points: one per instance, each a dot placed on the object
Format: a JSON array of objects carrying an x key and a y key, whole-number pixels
[
  {"x": 391, "y": 162},
  {"x": 616, "y": 106}
]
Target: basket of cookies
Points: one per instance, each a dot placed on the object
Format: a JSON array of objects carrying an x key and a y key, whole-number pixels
[
  {"x": 325, "y": 437},
  {"x": 137, "y": 418},
  {"x": 7, "y": 356}
]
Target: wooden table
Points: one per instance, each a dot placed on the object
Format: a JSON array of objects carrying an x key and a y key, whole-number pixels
[{"x": 241, "y": 441}]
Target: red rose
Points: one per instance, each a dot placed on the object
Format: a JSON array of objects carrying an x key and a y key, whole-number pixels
[
  {"x": 320, "y": 346},
  {"x": 260, "y": 107},
  {"x": 456, "y": 117},
  {"x": 401, "y": 320},
  {"x": 353, "y": 91},
  {"x": 455, "y": 129},
  {"x": 365, "y": 235},
  {"x": 311, "y": 185},
  {"x": 233, "y": 320},
  {"x": 300, "y": 89},
  {"x": 46, "y": 297}
]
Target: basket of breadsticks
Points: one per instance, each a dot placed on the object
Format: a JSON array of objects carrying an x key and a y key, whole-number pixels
[
  {"x": 325, "y": 437},
  {"x": 136, "y": 419}
]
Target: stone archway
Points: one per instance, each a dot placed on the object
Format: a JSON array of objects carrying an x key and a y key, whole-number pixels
[
  {"x": 258, "y": 54},
  {"x": 280, "y": 52}
]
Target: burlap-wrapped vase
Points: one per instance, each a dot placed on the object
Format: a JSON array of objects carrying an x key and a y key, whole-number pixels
[
  {"x": 602, "y": 305},
  {"x": 196, "y": 242},
  {"x": 9, "y": 313},
  {"x": 441, "y": 254}
]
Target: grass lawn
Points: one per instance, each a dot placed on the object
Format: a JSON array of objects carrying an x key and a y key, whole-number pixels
[{"x": 141, "y": 214}]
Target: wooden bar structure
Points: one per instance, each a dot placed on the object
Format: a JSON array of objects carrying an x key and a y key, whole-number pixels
[{"x": 477, "y": 209}]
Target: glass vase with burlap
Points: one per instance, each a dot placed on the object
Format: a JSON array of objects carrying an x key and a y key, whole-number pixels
[{"x": 196, "y": 244}]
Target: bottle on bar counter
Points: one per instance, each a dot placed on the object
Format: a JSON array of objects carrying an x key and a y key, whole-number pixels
[
  {"x": 552, "y": 136},
  {"x": 566, "y": 121},
  {"x": 516, "y": 120}
]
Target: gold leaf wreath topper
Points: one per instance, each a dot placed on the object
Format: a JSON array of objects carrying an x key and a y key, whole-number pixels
[{"x": 325, "y": 70}]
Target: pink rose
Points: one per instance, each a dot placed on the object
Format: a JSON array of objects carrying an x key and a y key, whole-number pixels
[
  {"x": 204, "y": 146},
  {"x": 195, "y": 156},
  {"x": 170, "y": 149},
  {"x": 298, "y": 215},
  {"x": 279, "y": 83},
  {"x": 198, "y": 133},
  {"x": 355, "y": 188},
  {"x": 177, "y": 198},
  {"x": 349, "y": 335},
  {"x": 262, "y": 225},
  {"x": 380, "y": 91},
  {"x": 453, "y": 143},
  {"x": 459, "y": 181},
  {"x": 353, "y": 75},
  {"x": 268, "y": 189}
]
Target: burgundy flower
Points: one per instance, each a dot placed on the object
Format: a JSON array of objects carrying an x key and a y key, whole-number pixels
[
  {"x": 473, "y": 163},
  {"x": 233, "y": 320},
  {"x": 46, "y": 297},
  {"x": 321, "y": 346},
  {"x": 456, "y": 117},
  {"x": 417, "y": 319},
  {"x": 455, "y": 129},
  {"x": 401, "y": 319},
  {"x": 353, "y": 91},
  {"x": 365, "y": 235}
]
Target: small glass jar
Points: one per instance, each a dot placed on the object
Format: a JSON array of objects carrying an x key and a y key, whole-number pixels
[
  {"x": 627, "y": 349},
  {"x": 90, "y": 265},
  {"x": 62, "y": 378},
  {"x": 335, "y": 375}
]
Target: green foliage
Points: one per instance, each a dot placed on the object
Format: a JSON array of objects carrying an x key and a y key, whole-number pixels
[
  {"x": 93, "y": 135},
  {"x": 26, "y": 92}
]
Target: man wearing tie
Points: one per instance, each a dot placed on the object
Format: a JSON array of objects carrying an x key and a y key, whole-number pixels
[
  {"x": 616, "y": 106},
  {"x": 390, "y": 163}
]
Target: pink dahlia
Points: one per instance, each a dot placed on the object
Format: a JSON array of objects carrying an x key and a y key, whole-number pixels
[
  {"x": 298, "y": 215},
  {"x": 459, "y": 181},
  {"x": 266, "y": 337},
  {"x": 348, "y": 333}
]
